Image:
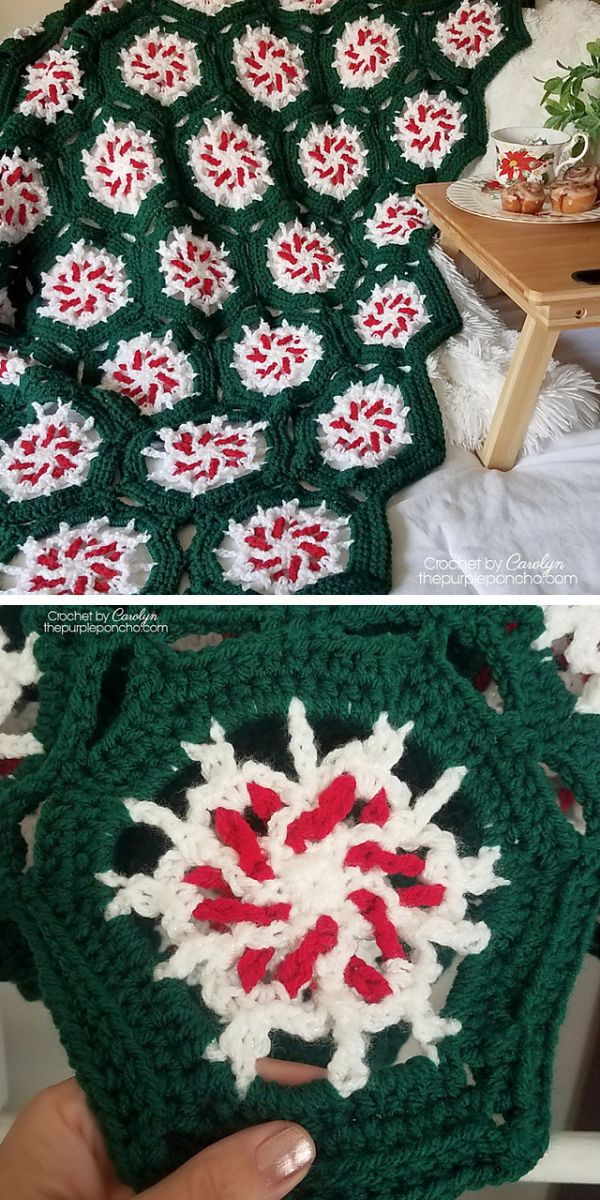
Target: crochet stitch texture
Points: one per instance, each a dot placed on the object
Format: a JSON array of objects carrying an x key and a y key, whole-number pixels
[
  {"x": 162, "y": 865},
  {"x": 216, "y": 295}
]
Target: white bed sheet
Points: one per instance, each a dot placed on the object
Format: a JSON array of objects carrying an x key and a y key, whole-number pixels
[{"x": 547, "y": 509}]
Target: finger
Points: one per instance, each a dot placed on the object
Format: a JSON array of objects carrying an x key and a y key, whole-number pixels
[
  {"x": 262, "y": 1163},
  {"x": 288, "y": 1074}
]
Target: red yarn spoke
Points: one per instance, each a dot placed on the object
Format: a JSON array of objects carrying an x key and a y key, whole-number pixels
[
  {"x": 264, "y": 801},
  {"x": 234, "y": 831},
  {"x": 295, "y": 971},
  {"x": 373, "y": 909},
  {"x": 369, "y": 855},
  {"x": 377, "y": 811},
  {"x": 229, "y": 911},
  {"x": 422, "y": 895},
  {"x": 366, "y": 980},
  {"x": 334, "y": 804},
  {"x": 253, "y": 966},
  {"x": 208, "y": 877}
]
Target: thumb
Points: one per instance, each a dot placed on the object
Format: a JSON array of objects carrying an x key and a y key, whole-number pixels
[{"x": 262, "y": 1163}]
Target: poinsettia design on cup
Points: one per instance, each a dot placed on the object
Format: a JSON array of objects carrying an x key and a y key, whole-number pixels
[
  {"x": 196, "y": 271},
  {"x": 468, "y": 34},
  {"x": 428, "y": 127},
  {"x": 85, "y": 287},
  {"x": 80, "y": 560},
  {"x": 24, "y": 202},
  {"x": 51, "y": 453},
  {"x": 366, "y": 52},
  {"x": 230, "y": 163},
  {"x": 150, "y": 371},
  {"x": 282, "y": 549},
  {"x": 122, "y": 167},
  {"x": 270, "y": 68},
  {"x": 161, "y": 64},
  {"x": 271, "y": 359},
  {"x": 12, "y": 367},
  {"x": 51, "y": 85},
  {"x": 366, "y": 425},
  {"x": 393, "y": 313},
  {"x": 395, "y": 220},
  {"x": 303, "y": 260},
  {"x": 333, "y": 159},
  {"x": 196, "y": 458},
  {"x": 303, "y": 927},
  {"x": 515, "y": 165}
]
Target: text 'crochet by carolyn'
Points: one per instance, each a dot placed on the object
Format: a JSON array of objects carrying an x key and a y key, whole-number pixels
[
  {"x": 216, "y": 295},
  {"x": 362, "y": 838}
]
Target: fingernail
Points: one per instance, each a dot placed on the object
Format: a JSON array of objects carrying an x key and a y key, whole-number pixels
[{"x": 284, "y": 1154}]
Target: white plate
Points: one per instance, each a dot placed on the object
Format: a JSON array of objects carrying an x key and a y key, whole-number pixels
[{"x": 469, "y": 195}]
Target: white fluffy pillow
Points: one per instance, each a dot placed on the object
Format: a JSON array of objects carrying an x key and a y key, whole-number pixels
[{"x": 559, "y": 29}]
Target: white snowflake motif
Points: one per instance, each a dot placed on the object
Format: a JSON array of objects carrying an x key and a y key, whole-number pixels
[
  {"x": 162, "y": 65},
  {"x": 366, "y": 426},
  {"x": 12, "y": 366},
  {"x": 196, "y": 271},
  {"x": 303, "y": 927},
  {"x": 150, "y": 371},
  {"x": 7, "y": 309},
  {"x": 282, "y": 549},
  {"x": 333, "y": 159},
  {"x": 303, "y": 260},
  {"x": 428, "y": 127},
  {"x": 229, "y": 163},
  {"x": 270, "y": 68},
  {"x": 85, "y": 287},
  {"x": 122, "y": 167},
  {"x": 51, "y": 85},
  {"x": 82, "y": 560},
  {"x": 392, "y": 314},
  {"x": 53, "y": 452},
  {"x": 395, "y": 220},
  {"x": 197, "y": 458},
  {"x": 469, "y": 33},
  {"x": 23, "y": 198},
  {"x": 366, "y": 52},
  {"x": 314, "y": 7},
  {"x": 269, "y": 360},
  {"x": 209, "y": 8}
]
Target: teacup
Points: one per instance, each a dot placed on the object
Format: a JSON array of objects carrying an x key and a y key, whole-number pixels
[{"x": 527, "y": 152}]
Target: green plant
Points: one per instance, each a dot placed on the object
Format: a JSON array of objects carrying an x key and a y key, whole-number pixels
[{"x": 571, "y": 99}]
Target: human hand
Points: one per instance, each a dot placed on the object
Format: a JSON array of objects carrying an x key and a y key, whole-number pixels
[{"x": 55, "y": 1151}]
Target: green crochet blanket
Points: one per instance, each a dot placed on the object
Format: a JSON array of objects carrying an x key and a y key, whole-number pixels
[
  {"x": 162, "y": 867},
  {"x": 216, "y": 296}
]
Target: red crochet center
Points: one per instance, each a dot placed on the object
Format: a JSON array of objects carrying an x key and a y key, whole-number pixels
[{"x": 295, "y": 971}]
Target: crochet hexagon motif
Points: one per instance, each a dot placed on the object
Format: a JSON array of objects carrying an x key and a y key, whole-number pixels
[
  {"x": 470, "y": 33},
  {"x": 196, "y": 458},
  {"x": 248, "y": 921},
  {"x": 82, "y": 559},
  {"x": 53, "y": 452},
  {"x": 285, "y": 548}
]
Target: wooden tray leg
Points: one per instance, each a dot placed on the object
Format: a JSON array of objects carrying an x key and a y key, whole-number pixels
[{"x": 519, "y": 395}]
